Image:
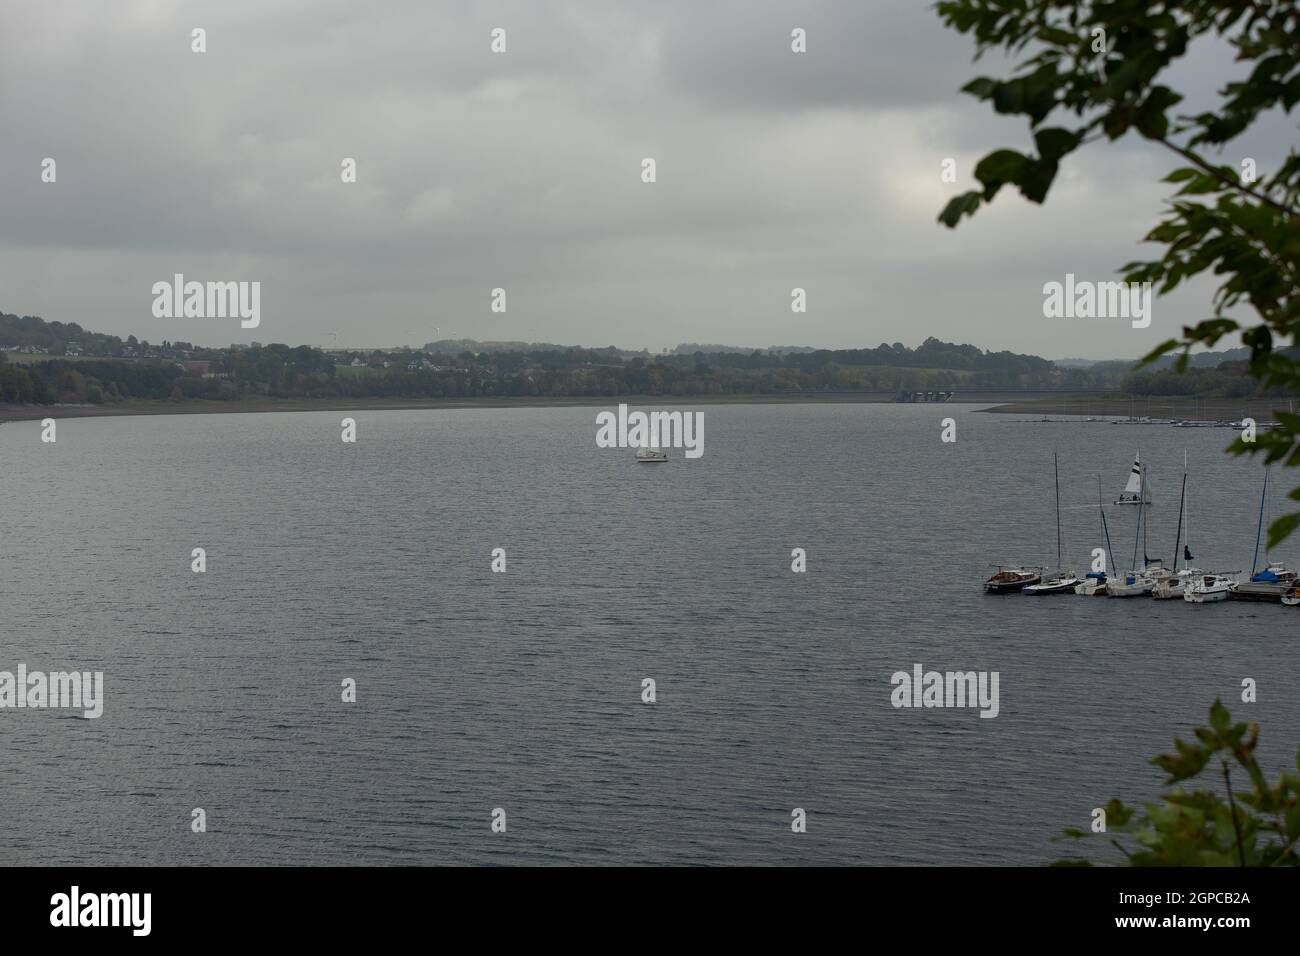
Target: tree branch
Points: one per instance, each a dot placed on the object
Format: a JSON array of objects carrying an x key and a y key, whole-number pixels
[
  {"x": 1218, "y": 174},
  {"x": 1241, "y": 853}
]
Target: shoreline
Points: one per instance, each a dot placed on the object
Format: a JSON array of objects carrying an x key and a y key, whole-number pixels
[
  {"x": 201, "y": 407},
  {"x": 994, "y": 403},
  {"x": 1172, "y": 407}
]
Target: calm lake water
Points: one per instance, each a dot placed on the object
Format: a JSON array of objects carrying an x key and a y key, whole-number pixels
[{"x": 522, "y": 690}]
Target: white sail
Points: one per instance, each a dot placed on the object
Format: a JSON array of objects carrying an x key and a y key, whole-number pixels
[{"x": 1134, "y": 485}]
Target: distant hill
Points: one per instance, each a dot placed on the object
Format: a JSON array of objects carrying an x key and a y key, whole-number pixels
[
  {"x": 56, "y": 362},
  {"x": 54, "y": 338},
  {"x": 1197, "y": 360},
  {"x": 456, "y": 346},
  {"x": 477, "y": 346},
  {"x": 690, "y": 348}
]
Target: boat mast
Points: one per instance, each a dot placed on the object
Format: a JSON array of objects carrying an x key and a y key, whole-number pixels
[
  {"x": 1105, "y": 528},
  {"x": 1182, "y": 505},
  {"x": 1057, "y": 469},
  {"x": 1137, "y": 532},
  {"x": 1187, "y": 520},
  {"x": 1255, "y": 557},
  {"x": 1142, "y": 501}
]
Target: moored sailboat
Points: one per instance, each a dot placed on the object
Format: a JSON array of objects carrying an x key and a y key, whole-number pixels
[
  {"x": 1007, "y": 580},
  {"x": 1060, "y": 582},
  {"x": 1095, "y": 582},
  {"x": 1208, "y": 589},
  {"x": 1136, "y": 583},
  {"x": 1170, "y": 586},
  {"x": 1275, "y": 580}
]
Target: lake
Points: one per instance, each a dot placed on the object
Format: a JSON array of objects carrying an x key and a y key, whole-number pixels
[{"x": 522, "y": 690}]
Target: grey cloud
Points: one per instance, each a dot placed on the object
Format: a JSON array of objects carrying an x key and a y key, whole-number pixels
[{"x": 522, "y": 171}]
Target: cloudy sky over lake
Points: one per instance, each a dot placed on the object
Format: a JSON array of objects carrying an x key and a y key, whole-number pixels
[{"x": 522, "y": 171}]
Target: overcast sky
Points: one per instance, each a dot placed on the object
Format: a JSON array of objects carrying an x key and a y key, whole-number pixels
[{"x": 523, "y": 171}]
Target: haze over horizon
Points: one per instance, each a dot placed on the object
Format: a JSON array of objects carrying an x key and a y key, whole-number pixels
[{"x": 522, "y": 170}]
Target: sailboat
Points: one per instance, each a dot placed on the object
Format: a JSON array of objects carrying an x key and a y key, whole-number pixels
[
  {"x": 1006, "y": 580},
  {"x": 1208, "y": 588},
  {"x": 1061, "y": 582},
  {"x": 1136, "y": 492},
  {"x": 1169, "y": 586},
  {"x": 1275, "y": 581},
  {"x": 1094, "y": 583},
  {"x": 649, "y": 455},
  {"x": 1135, "y": 583}
]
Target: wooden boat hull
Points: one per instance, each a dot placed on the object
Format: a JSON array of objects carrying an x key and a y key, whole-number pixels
[{"x": 1010, "y": 587}]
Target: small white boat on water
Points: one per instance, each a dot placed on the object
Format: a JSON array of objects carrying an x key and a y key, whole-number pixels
[
  {"x": 1292, "y": 597},
  {"x": 650, "y": 455},
  {"x": 1172, "y": 586},
  {"x": 1133, "y": 584},
  {"x": 1137, "y": 491},
  {"x": 1060, "y": 583},
  {"x": 1208, "y": 589},
  {"x": 1093, "y": 585}
]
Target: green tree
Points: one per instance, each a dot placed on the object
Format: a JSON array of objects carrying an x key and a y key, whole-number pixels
[
  {"x": 1098, "y": 64},
  {"x": 1255, "y": 827}
]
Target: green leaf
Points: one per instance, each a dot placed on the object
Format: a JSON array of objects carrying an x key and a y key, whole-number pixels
[
  {"x": 1220, "y": 719},
  {"x": 1053, "y": 142},
  {"x": 981, "y": 87},
  {"x": 1001, "y": 166},
  {"x": 964, "y": 205},
  {"x": 1280, "y": 529}
]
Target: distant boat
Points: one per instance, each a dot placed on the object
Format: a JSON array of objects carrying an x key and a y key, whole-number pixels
[
  {"x": 648, "y": 456},
  {"x": 1061, "y": 582},
  {"x": 1208, "y": 588},
  {"x": 1007, "y": 580},
  {"x": 1137, "y": 491}
]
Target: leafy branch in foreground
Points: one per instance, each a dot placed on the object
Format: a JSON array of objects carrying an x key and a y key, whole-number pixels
[
  {"x": 1100, "y": 61},
  {"x": 1258, "y": 827}
]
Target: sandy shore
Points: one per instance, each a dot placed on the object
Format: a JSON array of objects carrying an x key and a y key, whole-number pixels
[
  {"x": 29, "y": 412},
  {"x": 1006, "y": 403},
  {"x": 1200, "y": 409}
]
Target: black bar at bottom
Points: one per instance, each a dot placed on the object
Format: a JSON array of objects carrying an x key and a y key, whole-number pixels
[{"x": 335, "y": 905}]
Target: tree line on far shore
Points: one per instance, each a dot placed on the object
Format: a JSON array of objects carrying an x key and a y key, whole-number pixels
[{"x": 90, "y": 368}]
